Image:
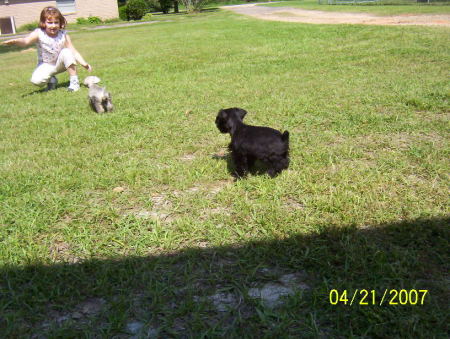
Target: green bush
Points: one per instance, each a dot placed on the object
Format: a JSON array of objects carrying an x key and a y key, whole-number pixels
[
  {"x": 160, "y": 5},
  {"x": 28, "y": 27},
  {"x": 154, "y": 5},
  {"x": 136, "y": 9},
  {"x": 147, "y": 17},
  {"x": 81, "y": 21},
  {"x": 166, "y": 5},
  {"x": 94, "y": 20},
  {"x": 89, "y": 20},
  {"x": 195, "y": 5},
  {"x": 123, "y": 12}
]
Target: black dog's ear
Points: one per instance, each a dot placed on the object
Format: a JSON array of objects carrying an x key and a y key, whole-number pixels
[{"x": 240, "y": 112}]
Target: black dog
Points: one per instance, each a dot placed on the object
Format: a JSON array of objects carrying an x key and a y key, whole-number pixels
[{"x": 251, "y": 143}]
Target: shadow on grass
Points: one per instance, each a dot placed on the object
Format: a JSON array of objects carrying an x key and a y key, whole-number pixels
[
  {"x": 212, "y": 9},
  {"x": 64, "y": 84},
  {"x": 230, "y": 164},
  {"x": 175, "y": 295},
  {"x": 258, "y": 168},
  {"x": 34, "y": 92},
  {"x": 184, "y": 12}
]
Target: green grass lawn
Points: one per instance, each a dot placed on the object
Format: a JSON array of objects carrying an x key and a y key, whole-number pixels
[
  {"x": 384, "y": 7},
  {"x": 130, "y": 223}
]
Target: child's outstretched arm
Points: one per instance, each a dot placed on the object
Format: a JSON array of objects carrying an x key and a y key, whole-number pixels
[
  {"x": 22, "y": 42},
  {"x": 77, "y": 55}
]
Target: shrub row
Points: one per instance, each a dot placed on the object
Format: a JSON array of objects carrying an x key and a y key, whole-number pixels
[
  {"x": 89, "y": 20},
  {"x": 136, "y": 9}
]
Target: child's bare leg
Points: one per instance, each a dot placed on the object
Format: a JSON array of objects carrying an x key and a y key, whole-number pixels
[{"x": 72, "y": 70}]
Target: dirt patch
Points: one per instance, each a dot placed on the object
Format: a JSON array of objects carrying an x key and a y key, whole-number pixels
[
  {"x": 272, "y": 293},
  {"x": 187, "y": 157},
  {"x": 81, "y": 314},
  {"x": 290, "y": 14}
]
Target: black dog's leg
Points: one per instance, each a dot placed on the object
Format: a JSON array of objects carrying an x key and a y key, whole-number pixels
[
  {"x": 240, "y": 162},
  {"x": 250, "y": 161},
  {"x": 273, "y": 172},
  {"x": 277, "y": 166}
]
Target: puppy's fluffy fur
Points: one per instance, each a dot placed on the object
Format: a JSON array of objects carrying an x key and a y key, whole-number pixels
[
  {"x": 251, "y": 143},
  {"x": 99, "y": 98}
]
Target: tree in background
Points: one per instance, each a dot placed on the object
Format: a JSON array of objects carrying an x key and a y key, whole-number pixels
[
  {"x": 136, "y": 9},
  {"x": 194, "y": 5},
  {"x": 160, "y": 5},
  {"x": 166, "y": 5}
]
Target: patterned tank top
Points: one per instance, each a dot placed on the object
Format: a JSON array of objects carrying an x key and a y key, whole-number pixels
[{"x": 48, "y": 47}]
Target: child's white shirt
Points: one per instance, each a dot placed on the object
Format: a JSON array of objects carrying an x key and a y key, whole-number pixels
[{"x": 48, "y": 47}]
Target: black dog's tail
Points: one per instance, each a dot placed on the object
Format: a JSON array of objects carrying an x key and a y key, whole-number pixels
[{"x": 285, "y": 137}]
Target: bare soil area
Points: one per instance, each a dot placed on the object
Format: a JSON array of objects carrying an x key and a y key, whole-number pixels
[{"x": 321, "y": 17}]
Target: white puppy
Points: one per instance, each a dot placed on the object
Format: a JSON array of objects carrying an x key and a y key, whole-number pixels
[{"x": 99, "y": 97}]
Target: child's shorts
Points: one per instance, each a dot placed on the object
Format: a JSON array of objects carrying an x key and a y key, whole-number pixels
[{"x": 44, "y": 71}]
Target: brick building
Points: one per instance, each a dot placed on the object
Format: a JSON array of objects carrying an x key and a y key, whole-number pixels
[{"x": 15, "y": 13}]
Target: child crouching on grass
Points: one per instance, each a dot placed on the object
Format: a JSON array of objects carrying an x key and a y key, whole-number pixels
[{"x": 56, "y": 52}]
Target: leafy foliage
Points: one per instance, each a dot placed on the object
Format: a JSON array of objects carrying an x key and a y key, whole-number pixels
[
  {"x": 147, "y": 17},
  {"x": 194, "y": 5},
  {"x": 136, "y": 9},
  {"x": 166, "y": 5},
  {"x": 94, "y": 20},
  {"x": 28, "y": 27},
  {"x": 154, "y": 5},
  {"x": 123, "y": 12},
  {"x": 89, "y": 20}
]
